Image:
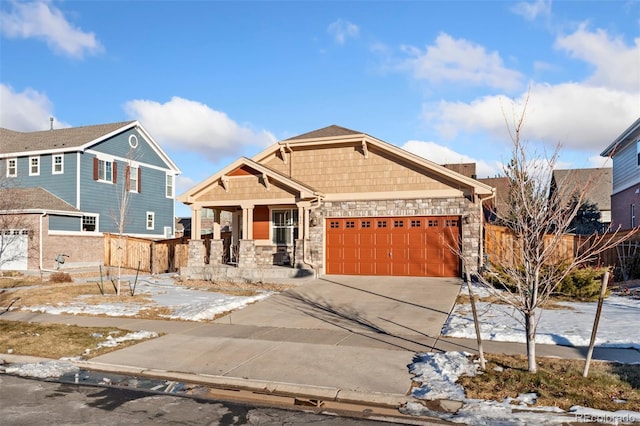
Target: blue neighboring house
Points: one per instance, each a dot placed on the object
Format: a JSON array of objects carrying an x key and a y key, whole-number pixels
[{"x": 85, "y": 173}]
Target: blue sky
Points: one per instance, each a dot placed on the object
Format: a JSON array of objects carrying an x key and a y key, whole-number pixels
[{"x": 213, "y": 80}]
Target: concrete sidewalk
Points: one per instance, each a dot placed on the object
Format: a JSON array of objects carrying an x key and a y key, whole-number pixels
[{"x": 338, "y": 338}]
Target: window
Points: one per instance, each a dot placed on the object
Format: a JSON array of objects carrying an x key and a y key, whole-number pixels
[
  {"x": 150, "y": 220},
  {"x": 382, "y": 224},
  {"x": 365, "y": 224},
  {"x": 12, "y": 167},
  {"x": 334, "y": 224},
  {"x": 415, "y": 224},
  {"x": 398, "y": 223},
  {"x": 169, "y": 186},
  {"x": 134, "y": 172},
  {"x": 451, "y": 223},
  {"x": 633, "y": 215},
  {"x": 638, "y": 151},
  {"x": 57, "y": 164},
  {"x": 89, "y": 223},
  {"x": 284, "y": 226},
  {"x": 432, "y": 223},
  {"x": 168, "y": 232},
  {"x": 103, "y": 170},
  {"x": 34, "y": 166},
  {"x": 350, "y": 224}
]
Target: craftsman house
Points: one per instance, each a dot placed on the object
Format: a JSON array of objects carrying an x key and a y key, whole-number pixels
[
  {"x": 625, "y": 195},
  {"x": 62, "y": 188},
  {"x": 339, "y": 201}
]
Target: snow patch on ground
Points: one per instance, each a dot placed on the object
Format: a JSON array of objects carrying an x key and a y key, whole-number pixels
[{"x": 568, "y": 327}]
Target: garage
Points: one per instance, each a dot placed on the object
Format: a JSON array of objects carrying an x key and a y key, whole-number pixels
[
  {"x": 399, "y": 246},
  {"x": 14, "y": 246}
]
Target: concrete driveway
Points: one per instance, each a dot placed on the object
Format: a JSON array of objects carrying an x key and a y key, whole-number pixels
[{"x": 395, "y": 306}]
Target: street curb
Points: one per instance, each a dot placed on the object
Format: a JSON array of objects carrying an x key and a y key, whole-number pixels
[{"x": 258, "y": 386}]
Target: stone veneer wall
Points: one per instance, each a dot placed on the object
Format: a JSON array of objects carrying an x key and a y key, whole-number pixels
[{"x": 460, "y": 206}]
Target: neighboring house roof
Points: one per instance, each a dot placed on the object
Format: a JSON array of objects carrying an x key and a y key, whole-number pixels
[
  {"x": 73, "y": 137},
  {"x": 501, "y": 185},
  {"x": 335, "y": 134},
  {"x": 596, "y": 182},
  {"x": 34, "y": 199},
  {"x": 465, "y": 169},
  {"x": 81, "y": 138},
  {"x": 623, "y": 140}
]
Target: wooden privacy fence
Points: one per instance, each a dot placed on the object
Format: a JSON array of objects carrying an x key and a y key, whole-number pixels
[
  {"x": 501, "y": 246},
  {"x": 156, "y": 257}
]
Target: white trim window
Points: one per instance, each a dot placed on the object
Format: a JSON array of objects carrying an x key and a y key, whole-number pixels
[
  {"x": 169, "y": 192},
  {"x": 12, "y": 167},
  {"x": 151, "y": 219},
  {"x": 89, "y": 223},
  {"x": 284, "y": 226},
  {"x": 105, "y": 170},
  {"x": 57, "y": 164},
  {"x": 168, "y": 232},
  {"x": 133, "y": 178},
  {"x": 34, "y": 166},
  {"x": 638, "y": 151}
]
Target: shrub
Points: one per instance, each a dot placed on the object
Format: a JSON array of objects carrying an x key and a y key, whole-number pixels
[
  {"x": 633, "y": 267},
  {"x": 60, "y": 277},
  {"x": 583, "y": 283}
]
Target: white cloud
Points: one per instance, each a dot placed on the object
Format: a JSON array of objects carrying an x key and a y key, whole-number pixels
[
  {"x": 616, "y": 64},
  {"x": 573, "y": 115},
  {"x": 341, "y": 30},
  {"x": 460, "y": 60},
  {"x": 41, "y": 20},
  {"x": 187, "y": 125},
  {"x": 532, "y": 10},
  {"x": 443, "y": 155},
  {"x": 30, "y": 110}
]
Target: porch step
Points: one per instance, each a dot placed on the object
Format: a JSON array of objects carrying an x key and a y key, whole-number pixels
[{"x": 256, "y": 274}]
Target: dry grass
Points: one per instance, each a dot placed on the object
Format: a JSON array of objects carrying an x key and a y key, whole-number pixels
[
  {"x": 558, "y": 383},
  {"x": 246, "y": 289},
  {"x": 464, "y": 299},
  {"x": 55, "y": 340}
]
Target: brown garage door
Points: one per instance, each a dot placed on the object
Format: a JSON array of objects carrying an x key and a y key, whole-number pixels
[{"x": 411, "y": 246}]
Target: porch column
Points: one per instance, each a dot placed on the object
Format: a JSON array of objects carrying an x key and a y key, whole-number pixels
[
  {"x": 216, "y": 224},
  {"x": 196, "y": 213},
  {"x": 303, "y": 219},
  {"x": 235, "y": 228},
  {"x": 247, "y": 221}
]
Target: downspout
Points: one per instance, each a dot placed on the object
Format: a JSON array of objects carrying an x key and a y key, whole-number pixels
[
  {"x": 481, "y": 249},
  {"x": 306, "y": 260},
  {"x": 40, "y": 240}
]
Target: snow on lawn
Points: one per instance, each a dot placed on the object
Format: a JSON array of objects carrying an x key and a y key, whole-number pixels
[
  {"x": 618, "y": 327},
  {"x": 437, "y": 374},
  {"x": 186, "y": 304}
]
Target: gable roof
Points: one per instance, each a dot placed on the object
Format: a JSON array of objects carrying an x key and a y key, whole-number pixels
[
  {"x": 598, "y": 183},
  {"x": 306, "y": 191},
  {"x": 35, "y": 200},
  {"x": 14, "y": 143},
  {"x": 623, "y": 140},
  {"x": 335, "y": 135},
  {"x": 326, "y": 132}
]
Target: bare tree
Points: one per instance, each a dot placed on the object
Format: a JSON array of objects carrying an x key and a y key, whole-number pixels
[
  {"x": 120, "y": 212},
  {"x": 538, "y": 222}
]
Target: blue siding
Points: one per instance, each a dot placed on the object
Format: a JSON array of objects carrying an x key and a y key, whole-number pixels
[
  {"x": 64, "y": 223},
  {"x": 102, "y": 198},
  {"x": 62, "y": 185},
  {"x": 119, "y": 146}
]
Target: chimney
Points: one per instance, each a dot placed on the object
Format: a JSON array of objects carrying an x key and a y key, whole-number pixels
[{"x": 51, "y": 120}]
